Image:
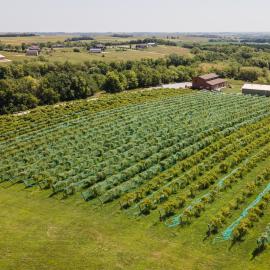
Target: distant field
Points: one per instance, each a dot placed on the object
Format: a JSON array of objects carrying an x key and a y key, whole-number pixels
[
  {"x": 190, "y": 39},
  {"x": 61, "y": 38},
  {"x": 101, "y": 38},
  {"x": 116, "y": 39},
  {"x": 113, "y": 54},
  {"x": 14, "y": 56},
  {"x": 34, "y": 39}
]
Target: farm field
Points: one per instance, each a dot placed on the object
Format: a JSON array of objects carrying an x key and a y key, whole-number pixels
[
  {"x": 67, "y": 54},
  {"x": 33, "y": 39},
  {"x": 61, "y": 38},
  {"x": 109, "y": 179},
  {"x": 101, "y": 38},
  {"x": 14, "y": 56}
]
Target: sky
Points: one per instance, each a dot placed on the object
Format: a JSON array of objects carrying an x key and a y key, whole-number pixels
[{"x": 135, "y": 16}]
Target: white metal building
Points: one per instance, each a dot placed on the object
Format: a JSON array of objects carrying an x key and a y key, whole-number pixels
[
  {"x": 2, "y": 57},
  {"x": 256, "y": 89},
  {"x": 95, "y": 50}
]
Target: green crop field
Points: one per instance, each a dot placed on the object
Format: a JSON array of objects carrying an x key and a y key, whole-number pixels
[{"x": 161, "y": 179}]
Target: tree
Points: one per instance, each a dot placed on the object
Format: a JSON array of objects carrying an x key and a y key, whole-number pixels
[
  {"x": 113, "y": 82},
  {"x": 249, "y": 73},
  {"x": 132, "y": 80},
  {"x": 48, "y": 96}
]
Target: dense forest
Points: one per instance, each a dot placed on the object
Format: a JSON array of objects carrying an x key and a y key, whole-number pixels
[{"x": 27, "y": 85}]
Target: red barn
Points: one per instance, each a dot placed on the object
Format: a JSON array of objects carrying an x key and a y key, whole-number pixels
[{"x": 209, "y": 82}]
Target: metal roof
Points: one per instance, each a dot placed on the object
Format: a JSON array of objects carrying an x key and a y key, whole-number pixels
[
  {"x": 95, "y": 50},
  {"x": 260, "y": 87},
  {"x": 2, "y": 56},
  {"x": 216, "y": 81},
  {"x": 34, "y": 47},
  {"x": 209, "y": 76}
]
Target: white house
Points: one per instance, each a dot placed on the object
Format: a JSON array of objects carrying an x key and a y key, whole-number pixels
[
  {"x": 34, "y": 48},
  {"x": 95, "y": 50}
]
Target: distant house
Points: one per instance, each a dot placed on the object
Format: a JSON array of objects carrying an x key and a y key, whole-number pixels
[
  {"x": 34, "y": 48},
  {"x": 55, "y": 46},
  {"x": 152, "y": 44},
  {"x": 2, "y": 57},
  {"x": 256, "y": 89},
  {"x": 100, "y": 46},
  {"x": 208, "y": 82},
  {"x": 95, "y": 50},
  {"x": 141, "y": 46},
  {"x": 32, "y": 52}
]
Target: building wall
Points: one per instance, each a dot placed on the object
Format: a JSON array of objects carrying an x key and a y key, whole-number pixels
[
  {"x": 95, "y": 51},
  {"x": 256, "y": 92},
  {"x": 217, "y": 86},
  {"x": 32, "y": 53},
  {"x": 198, "y": 83},
  {"x": 141, "y": 46}
]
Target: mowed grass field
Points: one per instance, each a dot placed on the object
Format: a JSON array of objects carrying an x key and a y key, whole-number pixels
[
  {"x": 112, "y": 54},
  {"x": 130, "y": 149}
]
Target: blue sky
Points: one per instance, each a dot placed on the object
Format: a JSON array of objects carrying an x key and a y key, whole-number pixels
[{"x": 135, "y": 15}]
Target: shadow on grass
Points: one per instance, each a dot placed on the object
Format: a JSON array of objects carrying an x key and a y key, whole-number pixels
[
  {"x": 234, "y": 242},
  {"x": 257, "y": 251}
]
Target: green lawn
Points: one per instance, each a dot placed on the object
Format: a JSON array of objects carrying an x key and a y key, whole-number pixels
[
  {"x": 235, "y": 87},
  {"x": 38, "y": 232}
]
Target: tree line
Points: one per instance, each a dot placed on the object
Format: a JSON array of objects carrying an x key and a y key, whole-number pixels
[{"x": 27, "y": 85}]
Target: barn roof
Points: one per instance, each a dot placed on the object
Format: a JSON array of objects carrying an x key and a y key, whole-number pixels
[
  {"x": 95, "y": 49},
  {"x": 2, "y": 56},
  {"x": 209, "y": 76},
  {"x": 261, "y": 87},
  {"x": 100, "y": 46},
  {"x": 216, "y": 81},
  {"x": 32, "y": 52},
  {"x": 34, "y": 47}
]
